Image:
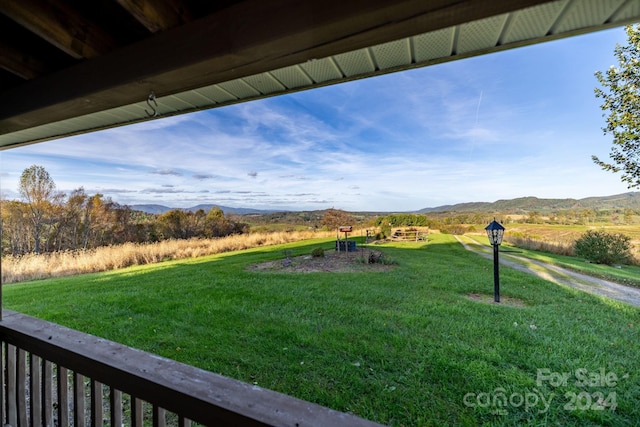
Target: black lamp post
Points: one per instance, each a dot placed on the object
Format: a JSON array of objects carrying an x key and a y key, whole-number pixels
[{"x": 495, "y": 232}]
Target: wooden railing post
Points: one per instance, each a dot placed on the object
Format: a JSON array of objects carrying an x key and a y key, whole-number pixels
[
  {"x": 35, "y": 392},
  {"x": 115, "y": 402},
  {"x": 136, "y": 412},
  {"x": 97, "y": 399},
  {"x": 79, "y": 407},
  {"x": 47, "y": 394},
  {"x": 63, "y": 396},
  {"x": 21, "y": 387},
  {"x": 12, "y": 399}
]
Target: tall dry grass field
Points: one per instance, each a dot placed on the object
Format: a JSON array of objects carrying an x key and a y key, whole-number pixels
[
  {"x": 554, "y": 247},
  {"x": 560, "y": 240},
  {"x": 58, "y": 264}
]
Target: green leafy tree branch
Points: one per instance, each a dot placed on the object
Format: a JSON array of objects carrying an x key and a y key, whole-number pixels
[{"x": 620, "y": 94}]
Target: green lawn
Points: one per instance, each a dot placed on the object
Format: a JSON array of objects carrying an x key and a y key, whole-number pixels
[{"x": 401, "y": 347}]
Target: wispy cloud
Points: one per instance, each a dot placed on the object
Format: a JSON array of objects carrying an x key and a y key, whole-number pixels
[
  {"x": 166, "y": 172},
  {"x": 163, "y": 190},
  {"x": 203, "y": 176},
  {"x": 510, "y": 124}
]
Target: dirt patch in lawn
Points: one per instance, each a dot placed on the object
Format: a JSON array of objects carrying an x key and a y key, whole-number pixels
[
  {"x": 504, "y": 300},
  {"x": 332, "y": 262}
]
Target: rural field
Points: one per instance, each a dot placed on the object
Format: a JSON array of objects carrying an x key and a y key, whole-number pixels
[
  {"x": 415, "y": 341},
  {"x": 567, "y": 234}
]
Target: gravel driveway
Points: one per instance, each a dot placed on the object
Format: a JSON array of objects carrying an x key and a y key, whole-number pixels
[{"x": 559, "y": 275}]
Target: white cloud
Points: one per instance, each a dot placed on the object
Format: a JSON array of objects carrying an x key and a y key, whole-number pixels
[{"x": 520, "y": 122}]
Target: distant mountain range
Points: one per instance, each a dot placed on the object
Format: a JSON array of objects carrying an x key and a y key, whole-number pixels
[
  {"x": 159, "y": 209},
  {"x": 522, "y": 204},
  {"x": 528, "y": 204}
]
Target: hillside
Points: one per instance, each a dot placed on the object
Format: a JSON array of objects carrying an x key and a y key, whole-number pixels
[{"x": 629, "y": 200}]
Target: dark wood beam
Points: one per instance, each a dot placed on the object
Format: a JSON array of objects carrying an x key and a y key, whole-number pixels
[
  {"x": 59, "y": 24},
  {"x": 247, "y": 38},
  {"x": 20, "y": 63},
  {"x": 158, "y": 15}
]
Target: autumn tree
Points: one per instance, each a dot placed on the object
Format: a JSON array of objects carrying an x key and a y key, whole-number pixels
[
  {"x": 216, "y": 224},
  {"x": 620, "y": 95},
  {"x": 16, "y": 227},
  {"x": 38, "y": 190},
  {"x": 72, "y": 219},
  {"x": 173, "y": 224},
  {"x": 97, "y": 221},
  {"x": 334, "y": 218},
  {"x": 47, "y": 220}
]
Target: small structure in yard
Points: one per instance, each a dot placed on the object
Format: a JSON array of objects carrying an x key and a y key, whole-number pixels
[{"x": 345, "y": 245}]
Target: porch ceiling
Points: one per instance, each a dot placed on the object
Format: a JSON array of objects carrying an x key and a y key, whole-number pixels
[{"x": 72, "y": 66}]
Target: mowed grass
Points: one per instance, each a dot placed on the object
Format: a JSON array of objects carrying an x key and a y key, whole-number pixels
[{"x": 404, "y": 347}]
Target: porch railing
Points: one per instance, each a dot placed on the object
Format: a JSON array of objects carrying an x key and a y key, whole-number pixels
[{"x": 55, "y": 376}]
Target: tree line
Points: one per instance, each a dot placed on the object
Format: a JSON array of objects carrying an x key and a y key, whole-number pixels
[
  {"x": 448, "y": 221},
  {"x": 46, "y": 220}
]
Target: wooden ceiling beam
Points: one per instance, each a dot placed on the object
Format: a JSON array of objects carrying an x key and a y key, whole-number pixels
[
  {"x": 158, "y": 15},
  {"x": 247, "y": 38},
  {"x": 19, "y": 63},
  {"x": 62, "y": 26}
]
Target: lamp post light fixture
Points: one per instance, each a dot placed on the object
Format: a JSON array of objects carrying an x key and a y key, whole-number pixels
[{"x": 495, "y": 232}]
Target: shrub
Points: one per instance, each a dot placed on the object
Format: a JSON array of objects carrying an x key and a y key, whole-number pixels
[
  {"x": 317, "y": 253},
  {"x": 604, "y": 248},
  {"x": 385, "y": 231},
  {"x": 376, "y": 257}
]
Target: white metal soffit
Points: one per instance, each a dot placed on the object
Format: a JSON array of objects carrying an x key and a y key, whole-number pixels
[{"x": 536, "y": 24}]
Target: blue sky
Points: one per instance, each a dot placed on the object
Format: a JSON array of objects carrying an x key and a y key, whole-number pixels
[{"x": 523, "y": 122}]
